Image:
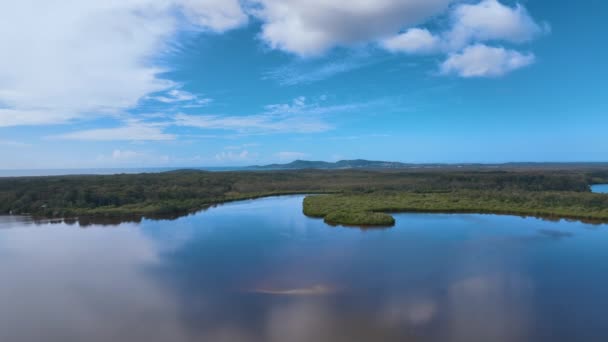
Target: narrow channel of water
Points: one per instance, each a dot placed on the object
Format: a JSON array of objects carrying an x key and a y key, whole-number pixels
[{"x": 600, "y": 188}]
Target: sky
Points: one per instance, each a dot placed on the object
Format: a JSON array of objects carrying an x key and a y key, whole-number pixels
[{"x": 194, "y": 83}]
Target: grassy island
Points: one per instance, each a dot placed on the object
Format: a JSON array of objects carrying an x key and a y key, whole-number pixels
[{"x": 351, "y": 197}]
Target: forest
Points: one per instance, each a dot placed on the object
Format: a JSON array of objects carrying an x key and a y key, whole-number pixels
[{"x": 350, "y": 197}]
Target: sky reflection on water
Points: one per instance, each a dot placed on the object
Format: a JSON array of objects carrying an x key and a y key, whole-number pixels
[{"x": 261, "y": 271}]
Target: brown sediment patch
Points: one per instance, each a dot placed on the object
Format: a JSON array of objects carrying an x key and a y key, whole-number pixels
[{"x": 316, "y": 290}]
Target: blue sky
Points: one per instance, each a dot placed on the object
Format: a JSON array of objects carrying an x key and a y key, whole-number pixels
[{"x": 135, "y": 83}]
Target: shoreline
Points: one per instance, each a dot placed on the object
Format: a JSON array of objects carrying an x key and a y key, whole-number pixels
[
  {"x": 350, "y": 197},
  {"x": 369, "y": 222},
  {"x": 362, "y": 210}
]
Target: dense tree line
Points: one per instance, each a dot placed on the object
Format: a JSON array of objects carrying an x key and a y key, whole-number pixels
[
  {"x": 178, "y": 192},
  {"x": 369, "y": 209}
]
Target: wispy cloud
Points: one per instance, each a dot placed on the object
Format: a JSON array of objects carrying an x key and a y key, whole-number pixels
[
  {"x": 132, "y": 131},
  {"x": 129, "y": 157},
  {"x": 299, "y": 116},
  {"x": 182, "y": 98},
  {"x": 357, "y": 137},
  {"x": 31, "y": 117},
  {"x": 12, "y": 143},
  {"x": 254, "y": 124},
  {"x": 241, "y": 147},
  {"x": 306, "y": 71}
]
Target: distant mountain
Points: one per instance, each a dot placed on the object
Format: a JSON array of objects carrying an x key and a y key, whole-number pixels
[
  {"x": 371, "y": 164},
  {"x": 342, "y": 164}
]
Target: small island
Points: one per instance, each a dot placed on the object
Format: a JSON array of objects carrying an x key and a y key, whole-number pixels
[
  {"x": 374, "y": 209},
  {"x": 354, "y": 196}
]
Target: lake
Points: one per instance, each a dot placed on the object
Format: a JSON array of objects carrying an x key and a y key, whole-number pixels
[
  {"x": 261, "y": 271},
  {"x": 600, "y": 188}
]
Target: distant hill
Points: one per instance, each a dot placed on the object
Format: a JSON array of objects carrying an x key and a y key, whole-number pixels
[
  {"x": 342, "y": 164},
  {"x": 371, "y": 164}
]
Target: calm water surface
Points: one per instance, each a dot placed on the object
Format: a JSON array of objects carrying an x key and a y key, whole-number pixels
[
  {"x": 600, "y": 188},
  {"x": 261, "y": 271}
]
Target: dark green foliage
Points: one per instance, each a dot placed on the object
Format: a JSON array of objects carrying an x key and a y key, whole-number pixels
[
  {"x": 346, "y": 208},
  {"x": 176, "y": 193},
  {"x": 359, "y": 219}
]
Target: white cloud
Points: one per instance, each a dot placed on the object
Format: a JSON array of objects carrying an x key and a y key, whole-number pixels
[
  {"x": 310, "y": 71},
  {"x": 470, "y": 26},
  {"x": 299, "y": 116},
  {"x": 484, "y": 61},
  {"x": 490, "y": 20},
  {"x": 68, "y": 59},
  {"x": 16, "y": 117},
  {"x": 412, "y": 41},
  {"x": 63, "y": 60},
  {"x": 290, "y": 156},
  {"x": 133, "y": 131},
  {"x": 181, "y": 97},
  {"x": 215, "y": 15},
  {"x": 254, "y": 124},
  {"x": 175, "y": 95},
  {"x": 311, "y": 27}
]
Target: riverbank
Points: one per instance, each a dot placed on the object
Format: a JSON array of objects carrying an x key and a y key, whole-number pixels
[{"x": 360, "y": 197}]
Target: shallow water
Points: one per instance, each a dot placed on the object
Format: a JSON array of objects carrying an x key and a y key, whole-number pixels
[
  {"x": 261, "y": 271},
  {"x": 600, "y": 188}
]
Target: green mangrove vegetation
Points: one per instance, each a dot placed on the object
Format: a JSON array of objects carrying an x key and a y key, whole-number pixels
[
  {"x": 350, "y": 197},
  {"x": 372, "y": 209}
]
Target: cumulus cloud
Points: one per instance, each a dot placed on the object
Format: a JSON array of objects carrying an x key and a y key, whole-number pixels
[
  {"x": 64, "y": 60},
  {"x": 412, "y": 41},
  {"x": 472, "y": 26},
  {"x": 490, "y": 20},
  {"x": 67, "y": 59},
  {"x": 311, "y": 27},
  {"x": 484, "y": 61}
]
